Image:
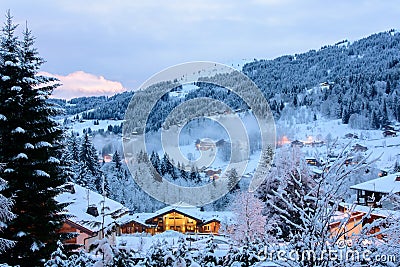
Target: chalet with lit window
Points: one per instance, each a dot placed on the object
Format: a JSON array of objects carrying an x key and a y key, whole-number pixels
[
  {"x": 180, "y": 217},
  {"x": 371, "y": 192},
  {"x": 312, "y": 161},
  {"x": 383, "y": 173},
  {"x": 353, "y": 224},
  {"x": 84, "y": 221},
  {"x": 205, "y": 144},
  {"x": 213, "y": 174},
  {"x": 359, "y": 216}
]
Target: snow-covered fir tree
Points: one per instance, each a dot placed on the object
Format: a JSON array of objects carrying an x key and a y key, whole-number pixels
[
  {"x": 89, "y": 174},
  {"x": 289, "y": 178},
  {"x": 116, "y": 159},
  {"x": 208, "y": 258},
  {"x": 233, "y": 180},
  {"x": 30, "y": 150},
  {"x": 5, "y": 216},
  {"x": 58, "y": 258},
  {"x": 157, "y": 254},
  {"x": 73, "y": 147}
]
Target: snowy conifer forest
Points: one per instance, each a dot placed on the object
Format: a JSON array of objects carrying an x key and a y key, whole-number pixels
[{"x": 330, "y": 195}]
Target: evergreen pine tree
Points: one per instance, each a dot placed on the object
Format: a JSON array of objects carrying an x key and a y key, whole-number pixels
[
  {"x": 82, "y": 259},
  {"x": 73, "y": 147},
  {"x": 194, "y": 175},
  {"x": 89, "y": 174},
  {"x": 30, "y": 150},
  {"x": 396, "y": 167},
  {"x": 163, "y": 165},
  {"x": 374, "y": 121},
  {"x": 5, "y": 216},
  {"x": 385, "y": 118},
  {"x": 58, "y": 258},
  {"x": 208, "y": 257},
  {"x": 117, "y": 160},
  {"x": 232, "y": 256},
  {"x": 156, "y": 255},
  {"x": 247, "y": 257},
  {"x": 282, "y": 106},
  {"x": 71, "y": 157},
  {"x": 183, "y": 173},
  {"x": 387, "y": 90},
  {"x": 233, "y": 180},
  {"x": 345, "y": 116},
  {"x": 155, "y": 160}
]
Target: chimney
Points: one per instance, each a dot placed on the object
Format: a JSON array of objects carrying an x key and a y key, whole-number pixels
[{"x": 92, "y": 210}]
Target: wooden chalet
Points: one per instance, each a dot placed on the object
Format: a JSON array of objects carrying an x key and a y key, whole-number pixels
[
  {"x": 361, "y": 216},
  {"x": 213, "y": 174},
  {"x": 296, "y": 143},
  {"x": 180, "y": 217},
  {"x": 205, "y": 144},
  {"x": 84, "y": 221},
  {"x": 371, "y": 192},
  {"x": 312, "y": 161},
  {"x": 352, "y": 227}
]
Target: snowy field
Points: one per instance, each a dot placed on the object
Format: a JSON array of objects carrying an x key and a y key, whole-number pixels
[
  {"x": 387, "y": 149},
  {"x": 141, "y": 243}
]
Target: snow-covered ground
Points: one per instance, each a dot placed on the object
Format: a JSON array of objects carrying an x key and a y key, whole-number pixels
[
  {"x": 387, "y": 149},
  {"x": 78, "y": 127},
  {"x": 196, "y": 242}
]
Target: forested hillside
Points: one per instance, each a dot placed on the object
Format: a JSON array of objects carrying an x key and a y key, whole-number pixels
[{"x": 358, "y": 82}]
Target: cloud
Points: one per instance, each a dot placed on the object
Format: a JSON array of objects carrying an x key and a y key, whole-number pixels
[
  {"x": 131, "y": 40},
  {"x": 80, "y": 83}
]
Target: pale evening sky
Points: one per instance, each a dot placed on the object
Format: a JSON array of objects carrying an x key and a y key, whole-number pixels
[{"x": 99, "y": 47}]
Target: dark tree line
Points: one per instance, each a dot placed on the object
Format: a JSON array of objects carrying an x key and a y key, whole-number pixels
[
  {"x": 360, "y": 81},
  {"x": 31, "y": 151}
]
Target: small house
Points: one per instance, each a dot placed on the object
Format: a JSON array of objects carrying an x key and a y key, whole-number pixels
[
  {"x": 351, "y": 136},
  {"x": 85, "y": 221},
  {"x": 205, "y": 144},
  {"x": 312, "y": 161},
  {"x": 180, "y": 217},
  {"x": 211, "y": 173},
  {"x": 359, "y": 148},
  {"x": 371, "y": 192},
  {"x": 389, "y": 133},
  {"x": 382, "y": 173}
]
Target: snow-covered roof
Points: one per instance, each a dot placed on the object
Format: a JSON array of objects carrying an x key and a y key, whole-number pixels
[
  {"x": 79, "y": 203},
  {"x": 181, "y": 207},
  {"x": 137, "y": 217},
  {"x": 373, "y": 211},
  {"x": 386, "y": 184},
  {"x": 317, "y": 171}
]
